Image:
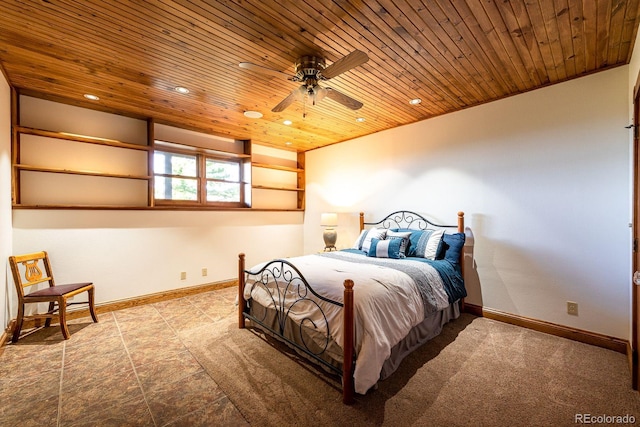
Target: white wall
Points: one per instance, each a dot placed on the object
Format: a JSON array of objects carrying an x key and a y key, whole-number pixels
[
  {"x": 133, "y": 253},
  {"x": 542, "y": 177},
  {"x": 5, "y": 198}
]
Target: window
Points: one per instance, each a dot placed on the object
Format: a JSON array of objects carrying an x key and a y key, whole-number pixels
[
  {"x": 176, "y": 176},
  {"x": 196, "y": 179},
  {"x": 223, "y": 180}
]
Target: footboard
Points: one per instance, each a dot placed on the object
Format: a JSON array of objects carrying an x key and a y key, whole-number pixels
[{"x": 287, "y": 289}]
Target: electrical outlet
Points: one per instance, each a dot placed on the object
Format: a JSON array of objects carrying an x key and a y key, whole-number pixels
[
  {"x": 204, "y": 271},
  {"x": 572, "y": 308},
  {"x": 183, "y": 275}
]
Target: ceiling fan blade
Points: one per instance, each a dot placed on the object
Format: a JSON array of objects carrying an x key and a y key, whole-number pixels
[
  {"x": 263, "y": 70},
  {"x": 343, "y": 99},
  {"x": 352, "y": 60},
  {"x": 296, "y": 94}
]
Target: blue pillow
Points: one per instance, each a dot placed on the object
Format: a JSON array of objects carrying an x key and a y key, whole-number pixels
[
  {"x": 410, "y": 251},
  {"x": 424, "y": 243},
  {"x": 451, "y": 247},
  {"x": 385, "y": 248},
  {"x": 401, "y": 235}
]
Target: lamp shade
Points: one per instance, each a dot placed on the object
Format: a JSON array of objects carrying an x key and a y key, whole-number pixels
[{"x": 329, "y": 219}]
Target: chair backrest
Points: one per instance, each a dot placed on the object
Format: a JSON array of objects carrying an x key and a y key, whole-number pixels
[{"x": 30, "y": 265}]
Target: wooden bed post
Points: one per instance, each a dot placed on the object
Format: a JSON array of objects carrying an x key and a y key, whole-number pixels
[
  {"x": 242, "y": 303},
  {"x": 461, "y": 261},
  {"x": 347, "y": 363},
  {"x": 361, "y": 221}
]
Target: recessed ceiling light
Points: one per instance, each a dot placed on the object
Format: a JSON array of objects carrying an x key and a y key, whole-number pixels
[
  {"x": 288, "y": 122},
  {"x": 360, "y": 119},
  {"x": 415, "y": 101},
  {"x": 91, "y": 97},
  {"x": 253, "y": 114},
  {"x": 288, "y": 143},
  {"x": 181, "y": 89}
]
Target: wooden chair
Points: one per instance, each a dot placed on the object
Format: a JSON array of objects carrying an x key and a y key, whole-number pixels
[{"x": 53, "y": 294}]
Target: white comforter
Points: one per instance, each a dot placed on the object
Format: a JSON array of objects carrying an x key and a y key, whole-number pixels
[{"x": 387, "y": 305}]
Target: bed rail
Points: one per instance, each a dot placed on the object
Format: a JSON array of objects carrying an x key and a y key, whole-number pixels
[{"x": 286, "y": 288}]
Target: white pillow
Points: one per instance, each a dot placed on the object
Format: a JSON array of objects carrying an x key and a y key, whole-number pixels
[
  {"x": 433, "y": 243},
  {"x": 364, "y": 240},
  {"x": 427, "y": 244}
]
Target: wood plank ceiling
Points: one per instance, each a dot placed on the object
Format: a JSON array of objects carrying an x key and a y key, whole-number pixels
[{"x": 452, "y": 54}]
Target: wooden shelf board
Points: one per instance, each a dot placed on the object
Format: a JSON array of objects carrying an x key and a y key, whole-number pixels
[
  {"x": 80, "y": 172},
  {"x": 268, "y": 187},
  {"x": 194, "y": 149},
  {"x": 151, "y": 208},
  {"x": 277, "y": 167},
  {"x": 81, "y": 138}
]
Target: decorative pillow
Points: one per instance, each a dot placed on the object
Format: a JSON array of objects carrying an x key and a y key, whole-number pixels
[
  {"x": 385, "y": 248},
  {"x": 400, "y": 235},
  {"x": 364, "y": 240},
  {"x": 451, "y": 248},
  {"x": 428, "y": 243},
  {"x": 358, "y": 243},
  {"x": 413, "y": 241}
]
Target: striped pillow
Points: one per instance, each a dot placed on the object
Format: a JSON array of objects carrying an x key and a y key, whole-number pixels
[
  {"x": 364, "y": 240},
  {"x": 428, "y": 244},
  {"x": 400, "y": 235},
  {"x": 385, "y": 248}
]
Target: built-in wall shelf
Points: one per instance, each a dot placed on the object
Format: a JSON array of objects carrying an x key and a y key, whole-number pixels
[
  {"x": 276, "y": 167},
  {"x": 80, "y": 172},
  {"x": 267, "y": 187},
  {"x": 276, "y": 177},
  {"x": 209, "y": 151},
  {"x": 69, "y": 157},
  {"x": 80, "y": 138}
]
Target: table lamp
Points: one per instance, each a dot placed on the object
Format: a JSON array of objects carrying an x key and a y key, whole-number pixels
[{"x": 330, "y": 221}]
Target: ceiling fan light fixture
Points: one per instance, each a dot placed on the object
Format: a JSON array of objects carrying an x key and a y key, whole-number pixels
[
  {"x": 253, "y": 114},
  {"x": 318, "y": 94},
  {"x": 310, "y": 70},
  {"x": 415, "y": 101}
]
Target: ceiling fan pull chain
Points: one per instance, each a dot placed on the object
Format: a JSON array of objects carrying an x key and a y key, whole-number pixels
[{"x": 304, "y": 107}]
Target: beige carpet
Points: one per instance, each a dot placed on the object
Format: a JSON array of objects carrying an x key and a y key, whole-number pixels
[{"x": 477, "y": 372}]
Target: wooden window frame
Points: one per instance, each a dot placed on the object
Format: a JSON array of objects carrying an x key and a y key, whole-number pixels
[{"x": 201, "y": 179}]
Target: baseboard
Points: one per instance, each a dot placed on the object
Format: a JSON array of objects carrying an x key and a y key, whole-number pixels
[
  {"x": 593, "y": 338},
  {"x": 6, "y": 335},
  {"x": 122, "y": 304}
]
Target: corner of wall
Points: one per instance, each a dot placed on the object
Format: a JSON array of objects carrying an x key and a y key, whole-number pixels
[{"x": 6, "y": 226}]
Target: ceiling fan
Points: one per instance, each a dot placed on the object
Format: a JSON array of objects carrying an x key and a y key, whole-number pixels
[{"x": 310, "y": 70}]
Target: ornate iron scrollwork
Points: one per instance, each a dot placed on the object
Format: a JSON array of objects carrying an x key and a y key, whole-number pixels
[
  {"x": 406, "y": 219},
  {"x": 289, "y": 291}
]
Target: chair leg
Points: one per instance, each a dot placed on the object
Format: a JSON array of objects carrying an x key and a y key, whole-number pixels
[
  {"x": 19, "y": 320},
  {"x": 92, "y": 309},
  {"x": 47, "y": 322},
  {"x": 62, "y": 312}
]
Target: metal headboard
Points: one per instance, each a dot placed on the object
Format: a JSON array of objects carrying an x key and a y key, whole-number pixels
[{"x": 409, "y": 219}]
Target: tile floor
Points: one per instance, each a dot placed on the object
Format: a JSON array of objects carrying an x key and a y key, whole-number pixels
[{"x": 130, "y": 369}]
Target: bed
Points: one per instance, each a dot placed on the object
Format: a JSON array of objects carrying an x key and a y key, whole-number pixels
[{"x": 358, "y": 312}]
